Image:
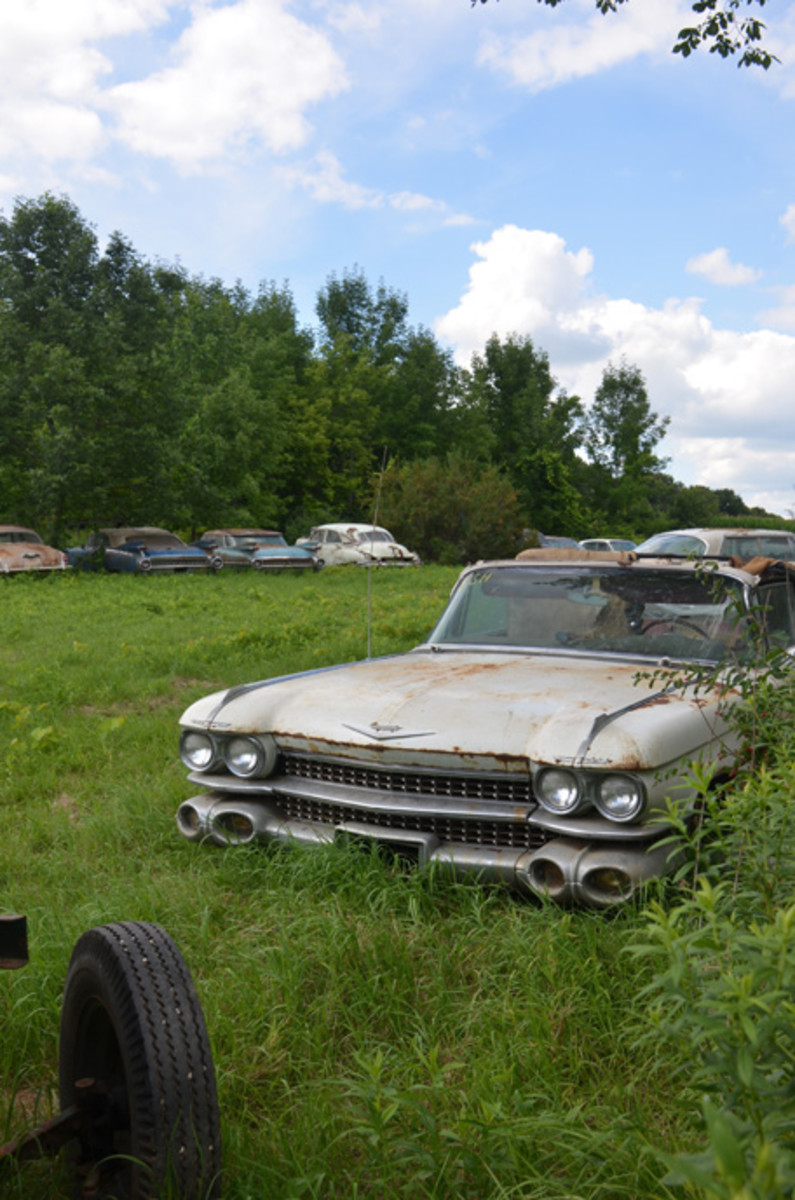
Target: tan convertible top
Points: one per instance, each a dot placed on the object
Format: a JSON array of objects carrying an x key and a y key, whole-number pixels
[
  {"x": 575, "y": 553},
  {"x": 753, "y": 566}
]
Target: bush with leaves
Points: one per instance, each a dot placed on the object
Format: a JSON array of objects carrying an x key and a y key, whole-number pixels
[
  {"x": 453, "y": 510},
  {"x": 724, "y": 958}
]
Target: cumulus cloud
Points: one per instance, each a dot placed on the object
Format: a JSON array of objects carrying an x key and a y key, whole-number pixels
[
  {"x": 51, "y": 72},
  {"x": 524, "y": 282},
  {"x": 727, "y": 393},
  {"x": 717, "y": 268},
  {"x": 242, "y": 73},
  {"x": 560, "y": 52}
]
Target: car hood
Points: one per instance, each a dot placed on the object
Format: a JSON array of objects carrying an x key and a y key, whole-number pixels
[
  {"x": 490, "y": 711},
  {"x": 28, "y": 556},
  {"x": 384, "y": 550}
]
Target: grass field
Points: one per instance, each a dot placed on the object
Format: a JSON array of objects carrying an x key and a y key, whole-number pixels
[{"x": 375, "y": 1034}]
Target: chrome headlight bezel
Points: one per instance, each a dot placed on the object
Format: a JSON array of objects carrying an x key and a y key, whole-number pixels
[
  {"x": 204, "y": 755},
  {"x": 559, "y": 791},
  {"x": 620, "y": 797},
  {"x": 249, "y": 756}
]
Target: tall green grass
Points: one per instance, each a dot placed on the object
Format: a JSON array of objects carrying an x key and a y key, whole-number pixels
[{"x": 376, "y": 1033}]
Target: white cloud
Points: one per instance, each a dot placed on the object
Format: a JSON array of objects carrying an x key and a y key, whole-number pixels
[
  {"x": 717, "y": 268},
  {"x": 525, "y": 282},
  {"x": 50, "y": 73},
  {"x": 243, "y": 72},
  {"x": 325, "y": 182},
  {"x": 560, "y": 52},
  {"x": 783, "y": 315},
  {"x": 355, "y": 18},
  {"x": 787, "y": 219},
  {"x": 728, "y": 393},
  {"x": 323, "y": 179}
]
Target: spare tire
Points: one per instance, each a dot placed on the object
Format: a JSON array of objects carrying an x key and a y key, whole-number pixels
[{"x": 131, "y": 1021}]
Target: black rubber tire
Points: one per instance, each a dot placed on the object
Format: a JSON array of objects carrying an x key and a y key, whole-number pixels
[{"x": 131, "y": 1020}]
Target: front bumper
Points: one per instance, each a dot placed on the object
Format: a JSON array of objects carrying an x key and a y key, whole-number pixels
[{"x": 568, "y": 870}]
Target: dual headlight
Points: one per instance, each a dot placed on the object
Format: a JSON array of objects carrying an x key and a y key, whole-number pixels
[
  {"x": 242, "y": 754},
  {"x": 616, "y": 796}
]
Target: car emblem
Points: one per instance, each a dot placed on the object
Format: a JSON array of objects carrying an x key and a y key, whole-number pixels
[{"x": 385, "y": 732}]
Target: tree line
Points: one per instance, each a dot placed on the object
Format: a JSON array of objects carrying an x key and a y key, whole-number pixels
[{"x": 132, "y": 392}]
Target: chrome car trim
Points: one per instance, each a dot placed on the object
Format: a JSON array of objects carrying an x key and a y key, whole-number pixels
[{"x": 566, "y": 870}]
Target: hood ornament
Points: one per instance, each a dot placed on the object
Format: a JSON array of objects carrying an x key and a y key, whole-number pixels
[{"x": 384, "y": 733}]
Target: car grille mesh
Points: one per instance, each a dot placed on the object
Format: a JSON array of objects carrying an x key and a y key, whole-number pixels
[
  {"x": 512, "y": 834},
  {"x": 478, "y": 831},
  {"x": 177, "y": 562},
  {"x": 508, "y": 789}
]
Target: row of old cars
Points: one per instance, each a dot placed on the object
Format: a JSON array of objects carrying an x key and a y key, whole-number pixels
[{"x": 145, "y": 548}]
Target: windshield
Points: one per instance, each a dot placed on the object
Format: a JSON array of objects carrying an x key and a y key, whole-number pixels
[
  {"x": 375, "y": 535},
  {"x": 765, "y": 544},
  {"x": 20, "y": 535},
  {"x": 155, "y": 541},
  {"x": 651, "y": 613}
]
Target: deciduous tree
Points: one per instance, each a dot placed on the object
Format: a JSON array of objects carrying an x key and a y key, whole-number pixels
[{"x": 724, "y": 27}]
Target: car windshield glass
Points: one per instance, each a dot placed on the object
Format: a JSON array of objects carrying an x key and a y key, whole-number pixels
[
  {"x": 157, "y": 541},
  {"x": 651, "y": 613},
  {"x": 20, "y": 535},
  {"x": 766, "y": 545},
  {"x": 375, "y": 535},
  {"x": 673, "y": 543}
]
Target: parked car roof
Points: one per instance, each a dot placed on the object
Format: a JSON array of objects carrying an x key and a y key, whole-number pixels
[
  {"x": 721, "y": 543},
  {"x": 607, "y": 543},
  {"x": 247, "y": 533}
]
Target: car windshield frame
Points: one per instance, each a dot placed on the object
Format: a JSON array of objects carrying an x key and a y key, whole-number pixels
[{"x": 644, "y": 613}]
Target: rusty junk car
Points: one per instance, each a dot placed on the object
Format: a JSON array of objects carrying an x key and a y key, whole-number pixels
[
  {"x": 532, "y": 741},
  {"x": 139, "y": 550},
  {"x": 21, "y": 549},
  {"x": 365, "y": 545}
]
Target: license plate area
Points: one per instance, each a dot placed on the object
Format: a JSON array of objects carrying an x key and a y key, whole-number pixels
[{"x": 406, "y": 845}]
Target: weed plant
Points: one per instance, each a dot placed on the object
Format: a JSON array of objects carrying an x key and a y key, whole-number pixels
[
  {"x": 723, "y": 955},
  {"x": 376, "y": 1032}
]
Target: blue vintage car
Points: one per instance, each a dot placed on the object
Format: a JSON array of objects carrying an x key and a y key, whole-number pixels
[
  {"x": 140, "y": 549},
  {"x": 265, "y": 549}
]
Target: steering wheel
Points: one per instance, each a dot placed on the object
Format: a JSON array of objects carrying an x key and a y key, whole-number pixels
[{"x": 685, "y": 621}]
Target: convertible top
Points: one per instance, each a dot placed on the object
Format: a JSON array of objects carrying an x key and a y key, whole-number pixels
[{"x": 758, "y": 566}]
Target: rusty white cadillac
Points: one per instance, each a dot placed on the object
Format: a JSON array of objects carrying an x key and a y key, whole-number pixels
[{"x": 532, "y": 741}]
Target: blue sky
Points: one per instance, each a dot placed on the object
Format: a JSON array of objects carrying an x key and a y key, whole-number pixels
[{"x": 511, "y": 168}]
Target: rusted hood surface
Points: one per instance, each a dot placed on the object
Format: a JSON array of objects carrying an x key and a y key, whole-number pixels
[
  {"x": 28, "y": 556},
  {"x": 495, "y": 709}
]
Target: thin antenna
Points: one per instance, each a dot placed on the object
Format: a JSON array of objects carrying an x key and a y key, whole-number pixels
[{"x": 370, "y": 568}]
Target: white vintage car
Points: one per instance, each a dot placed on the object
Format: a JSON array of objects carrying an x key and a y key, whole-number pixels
[
  {"x": 519, "y": 743},
  {"x": 365, "y": 545}
]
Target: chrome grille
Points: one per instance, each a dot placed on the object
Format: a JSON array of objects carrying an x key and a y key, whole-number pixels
[
  {"x": 184, "y": 562},
  {"x": 510, "y": 789},
  {"x": 517, "y": 835}
]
